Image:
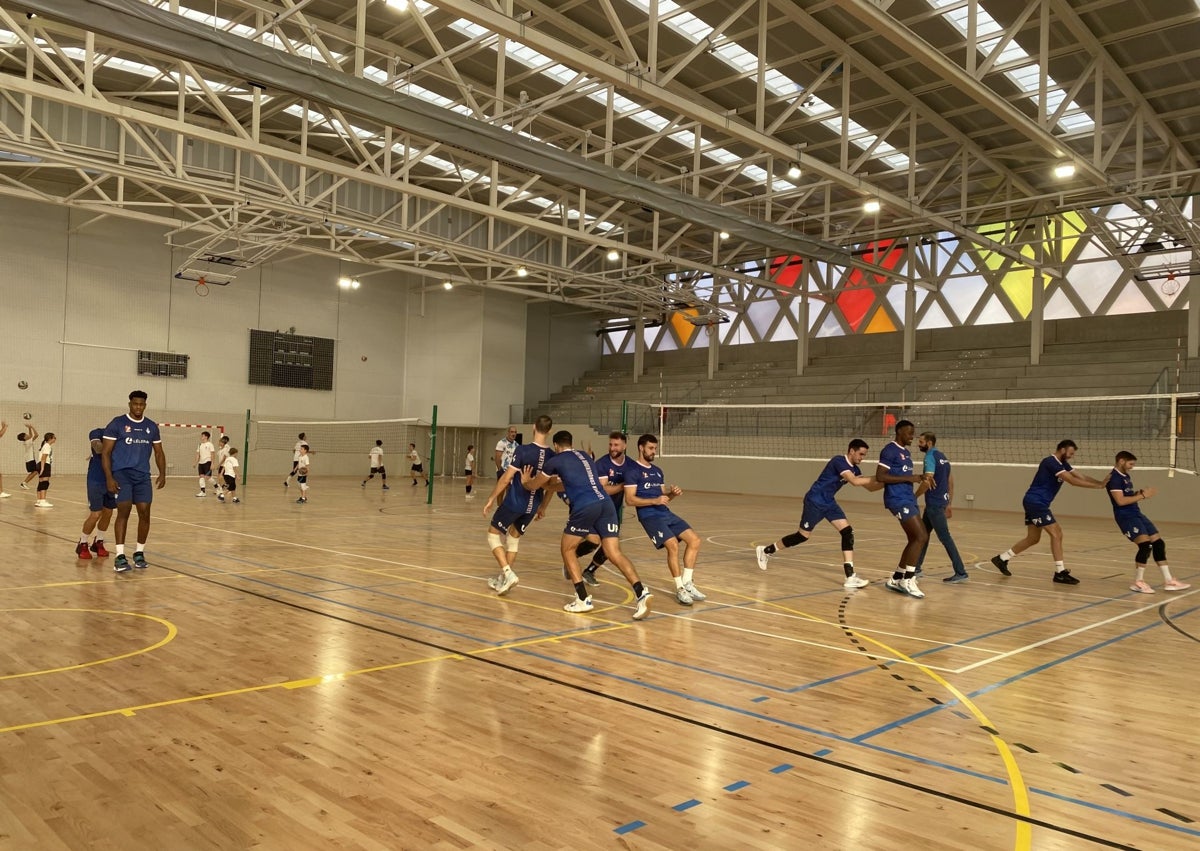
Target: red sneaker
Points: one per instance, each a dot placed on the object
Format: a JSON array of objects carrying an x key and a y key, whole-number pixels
[
  {"x": 98, "y": 549},
  {"x": 81, "y": 550}
]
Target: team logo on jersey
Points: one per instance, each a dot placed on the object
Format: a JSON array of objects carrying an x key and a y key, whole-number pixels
[{"x": 128, "y": 429}]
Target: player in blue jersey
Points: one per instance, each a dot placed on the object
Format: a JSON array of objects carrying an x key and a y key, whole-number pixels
[
  {"x": 820, "y": 503},
  {"x": 895, "y": 472},
  {"x": 938, "y": 487},
  {"x": 647, "y": 491},
  {"x": 129, "y": 440},
  {"x": 518, "y": 506},
  {"x": 592, "y": 513},
  {"x": 100, "y": 502},
  {"x": 1137, "y": 527},
  {"x": 611, "y": 468},
  {"x": 1047, "y": 482}
]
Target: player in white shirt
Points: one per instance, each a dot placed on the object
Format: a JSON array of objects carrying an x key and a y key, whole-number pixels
[
  {"x": 222, "y": 453},
  {"x": 505, "y": 449},
  {"x": 376, "y": 456},
  {"x": 44, "y": 462},
  {"x": 204, "y": 459},
  {"x": 297, "y": 451},
  {"x": 228, "y": 471},
  {"x": 417, "y": 469},
  {"x": 302, "y": 473},
  {"x": 469, "y": 470},
  {"x": 27, "y": 439}
]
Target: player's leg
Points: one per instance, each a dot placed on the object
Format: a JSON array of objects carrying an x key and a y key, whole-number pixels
[
  {"x": 81, "y": 549},
  {"x": 43, "y": 489},
  {"x": 496, "y": 532},
  {"x": 203, "y": 482},
  {"x": 621, "y": 562},
  {"x": 1035, "y": 516},
  {"x": 121, "y": 563},
  {"x": 936, "y": 519},
  {"x": 671, "y": 547},
  {"x": 106, "y": 513},
  {"x": 512, "y": 544},
  {"x": 295, "y": 467},
  {"x": 843, "y": 528},
  {"x": 1061, "y": 574},
  {"x": 567, "y": 547},
  {"x": 809, "y": 518},
  {"x": 1140, "y": 559},
  {"x": 143, "y": 532},
  {"x": 904, "y": 579},
  {"x": 383, "y": 478},
  {"x": 691, "y": 555},
  {"x": 928, "y": 523}
]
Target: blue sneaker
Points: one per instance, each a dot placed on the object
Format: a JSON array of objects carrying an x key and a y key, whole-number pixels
[
  {"x": 139, "y": 560},
  {"x": 956, "y": 577},
  {"x": 121, "y": 564}
]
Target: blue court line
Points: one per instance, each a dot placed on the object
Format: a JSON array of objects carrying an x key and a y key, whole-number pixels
[
  {"x": 737, "y": 784},
  {"x": 779, "y": 769},
  {"x": 1002, "y": 781},
  {"x": 686, "y": 805},
  {"x": 821, "y": 752},
  {"x": 862, "y": 737},
  {"x": 628, "y": 828}
]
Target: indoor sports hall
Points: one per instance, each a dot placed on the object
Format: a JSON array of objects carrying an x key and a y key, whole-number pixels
[{"x": 756, "y": 260}]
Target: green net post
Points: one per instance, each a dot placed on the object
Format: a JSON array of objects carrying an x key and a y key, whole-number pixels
[
  {"x": 246, "y": 451},
  {"x": 624, "y": 418},
  {"x": 432, "y": 456}
]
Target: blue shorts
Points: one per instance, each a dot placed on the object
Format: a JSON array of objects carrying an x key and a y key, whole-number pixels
[
  {"x": 1038, "y": 515},
  {"x": 814, "y": 514},
  {"x": 902, "y": 511},
  {"x": 505, "y": 517},
  {"x": 597, "y": 518},
  {"x": 663, "y": 527},
  {"x": 99, "y": 497},
  {"x": 136, "y": 486},
  {"x": 1135, "y": 525}
]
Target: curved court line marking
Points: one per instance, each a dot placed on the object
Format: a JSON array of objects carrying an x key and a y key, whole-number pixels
[
  {"x": 1162, "y": 613},
  {"x": 171, "y": 633},
  {"x": 1016, "y": 782}
]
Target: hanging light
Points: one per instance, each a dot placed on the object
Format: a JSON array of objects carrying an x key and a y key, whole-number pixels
[
  {"x": 1064, "y": 170},
  {"x": 447, "y": 285},
  {"x": 724, "y": 235},
  {"x": 613, "y": 255},
  {"x": 793, "y": 171},
  {"x": 872, "y": 206},
  {"x": 522, "y": 271}
]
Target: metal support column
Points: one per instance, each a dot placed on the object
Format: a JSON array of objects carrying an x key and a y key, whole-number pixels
[{"x": 639, "y": 348}]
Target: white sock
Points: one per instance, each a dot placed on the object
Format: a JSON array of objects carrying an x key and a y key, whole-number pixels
[
  {"x": 1058, "y": 567},
  {"x": 687, "y": 575},
  {"x": 678, "y": 581},
  {"x": 1166, "y": 571},
  {"x": 83, "y": 539},
  {"x": 1008, "y": 555},
  {"x": 1139, "y": 574},
  {"x": 120, "y": 549},
  {"x": 140, "y": 547}
]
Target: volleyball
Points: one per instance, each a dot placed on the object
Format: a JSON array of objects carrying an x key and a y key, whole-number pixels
[
  {"x": 27, "y": 416},
  {"x": 22, "y": 384},
  {"x": 303, "y": 471},
  {"x": 364, "y": 357}
]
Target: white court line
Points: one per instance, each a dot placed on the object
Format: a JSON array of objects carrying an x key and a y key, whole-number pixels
[{"x": 1081, "y": 629}]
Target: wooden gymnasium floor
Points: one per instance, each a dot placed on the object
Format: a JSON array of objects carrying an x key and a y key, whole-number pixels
[{"x": 338, "y": 675}]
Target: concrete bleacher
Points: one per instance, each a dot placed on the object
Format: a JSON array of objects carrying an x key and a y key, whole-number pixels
[{"x": 1099, "y": 356}]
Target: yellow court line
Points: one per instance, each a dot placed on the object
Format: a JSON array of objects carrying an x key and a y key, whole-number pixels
[
  {"x": 171, "y": 633},
  {"x": 306, "y": 682},
  {"x": 1016, "y": 782}
]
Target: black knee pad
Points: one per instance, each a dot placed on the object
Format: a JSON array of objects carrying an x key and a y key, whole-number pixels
[
  {"x": 43, "y": 487},
  {"x": 1143, "y": 553},
  {"x": 585, "y": 548},
  {"x": 1160, "y": 550},
  {"x": 793, "y": 539},
  {"x": 848, "y": 539}
]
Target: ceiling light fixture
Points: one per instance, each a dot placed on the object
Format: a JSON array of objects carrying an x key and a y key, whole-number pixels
[
  {"x": 446, "y": 285},
  {"x": 724, "y": 235},
  {"x": 522, "y": 271},
  {"x": 399, "y": 5},
  {"x": 872, "y": 205},
  {"x": 348, "y": 283},
  {"x": 793, "y": 171},
  {"x": 1064, "y": 170},
  {"x": 613, "y": 255}
]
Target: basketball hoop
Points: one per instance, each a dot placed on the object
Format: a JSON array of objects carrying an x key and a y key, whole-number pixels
[
  {"x": 201, "y": 287},
  {"x": 1169, "y": 286}
]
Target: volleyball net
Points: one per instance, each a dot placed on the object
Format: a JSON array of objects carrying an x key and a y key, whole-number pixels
[
  {"x": 1161, "y": 430},
  {"x": 340, "y": 446}
]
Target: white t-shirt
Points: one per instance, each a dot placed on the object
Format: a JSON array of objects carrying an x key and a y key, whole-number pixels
[
  {"x": 415, "y": 457},
  {"x": 297, "y": 450},
  {"x": 303, "y": 459},
  {"x": 376, "y": 456},
  {"x": 229, "y": 466},
  {"x": 46, "y": 454},
  {"x": 31, "y": 450},
  {"x": 470, "y": 462},
  {"x": 222, "y": 454},
  {"x": 507, "y": 448},
  {"x": 205, "y": 451}
]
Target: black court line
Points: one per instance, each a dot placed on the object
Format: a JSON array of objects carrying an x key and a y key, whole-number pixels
[
  {"x": 1162, "y": 613},
  {"x": 745, "y": 737}
]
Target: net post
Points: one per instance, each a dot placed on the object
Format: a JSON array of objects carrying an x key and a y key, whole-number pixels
[
  {"x": 432, "y": 453},
  {"x": 624, "y": 417},
  {"x": 1174, "y": 437},
  {"x": 246, "y": 450}
]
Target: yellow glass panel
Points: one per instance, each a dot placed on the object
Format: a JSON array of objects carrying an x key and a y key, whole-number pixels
[
  {"x": 880, "y": 323},
  {"x": 684, "y": 330}
]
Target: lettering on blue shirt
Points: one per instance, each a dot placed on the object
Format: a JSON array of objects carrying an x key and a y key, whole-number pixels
[
  {"x": 898, "y": 461},
  {"x": 581, "y": 485},
  {"x": 133, "y": 442},
  {"x": 607, "y": 468},
  {"x": 517, "y": 498},
  {"x": 1047, "y": 481},
  {"x": 1118, "y": 481},
  {"x": 647, "y": 481}
]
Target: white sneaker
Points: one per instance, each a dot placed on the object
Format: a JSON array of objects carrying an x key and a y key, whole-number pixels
[
  {"x": 682, "y": 595},
  {"x": 760, "y": 553},
  {"x": 507, "y": 581},
  {"x": 42, "y": 503},
  {"x": 235, "y": 500},
  {"x": 643, "y": 604},
  {"x": 856, "y": 581},
  {"x": 1142, "y": 587},
  {"x": 695, "y": 592},
  {"x": 220, "y": 497},
  {"x": 4, "y": 495},
  {"x": 201, "y": 494},
  {"x": 494, "y": 582},
  {"x": 910, "y": 585},
  {"x": 1175, "y": 585},
  {"x": 897, "y": 585},
  {"x": 578, "y": 606},
  {"x": 24, "y": 486}
]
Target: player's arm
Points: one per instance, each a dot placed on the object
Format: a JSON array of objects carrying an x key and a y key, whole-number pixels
[
  {"x": 1080, "y": 480},
  {"x": 496, "y": 456},
  {"x": 106, "y": 464},
  {"x": 884, "y": 476},
  {"x": 632, "y": 498},
  {"x": 950, "y": 495},
  {"x": 1120, "y": 498},
  {"x": 31, "y": 433},
  {"x": 533, "y": 482},
  {"x": 160, "y": 461},
  {"x": 501, "y": 486},
  {"x": 97, "y": 446},
  {"x": 3, "y": 427}
]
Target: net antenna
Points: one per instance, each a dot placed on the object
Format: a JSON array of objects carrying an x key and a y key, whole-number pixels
[{"x": 180, "y": 441}]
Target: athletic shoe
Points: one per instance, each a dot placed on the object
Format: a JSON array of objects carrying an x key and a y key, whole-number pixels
[
  {"x": 364, "y": 484},
  {"x": 98, "y": 549},
  {"x": 695, "y": 592},
  {"x": 220, "y": 497},
  {"x": 1001, "y": 565},
  {"x": 683, "y": 597},
  {"x": 81, "y": 550},
  {"x": 643, "y": 604},
  {"x": 4, "y": 495},
  {"x": 470, "y": 496},
  {"x": 910, "y": 585},
  {"x": 760, "y": 553},
  {"x": 578, "y": 606},
  {"x": 414, "y": 484},
  {"x": 1175, "y": 585},
  {"x": 43, "y": 503},
  {"x": 237, "y": 500},
  {"x": 1142, "y": 587},
  {"x": 494, "y": 582},
  {"x": 956, "y": 577},
  {"x": 139, "y": 560},
  {"x": 24, "y": 486},
  {"x": 285, "y": 483},
  {"x": 301, "y": 500},
  {"x": 589, "y": 575},
  {"x": 1065, "y": 577},
  {"x": 507, "y": 582},
  {"x": 121, "y": 564},
  {"x": 202, "y": 494},
  {"x": 856, "y": 581},
  {"x": 386, "y": 488},
  {"x": 897, "y": 585}
]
